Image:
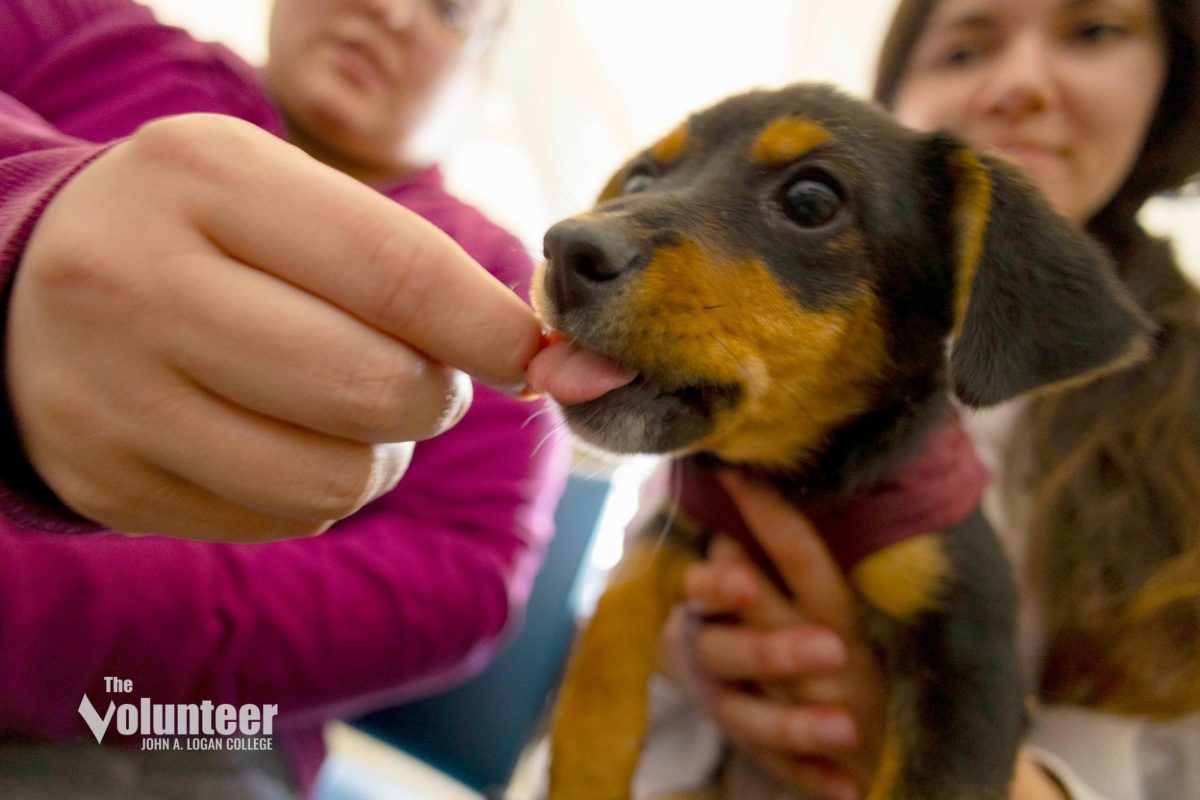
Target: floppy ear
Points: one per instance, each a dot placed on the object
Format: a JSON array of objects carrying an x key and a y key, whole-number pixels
[{"x": 1036, "y": 302}]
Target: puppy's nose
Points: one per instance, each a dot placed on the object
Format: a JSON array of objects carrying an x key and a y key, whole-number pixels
[{"x": 587, "y": 258}]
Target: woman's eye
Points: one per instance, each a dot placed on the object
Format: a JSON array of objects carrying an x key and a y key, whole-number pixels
[
  {"x": 959, "y": 51},
  {"x": 639, "y": 181},
  {"x": 960, "y": 56},
  {"x": 454, "y": 14},
  {"x": 1094, "y": 31},
  {"x": 810, "y": 202}
]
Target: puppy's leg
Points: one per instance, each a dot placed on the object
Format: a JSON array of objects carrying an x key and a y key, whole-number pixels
[
  {"x": 942, "y": 610},
  {"x": 601, "y": 717}
]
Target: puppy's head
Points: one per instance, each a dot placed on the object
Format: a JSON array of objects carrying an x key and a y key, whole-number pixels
[{"x": 786, "y": 263}]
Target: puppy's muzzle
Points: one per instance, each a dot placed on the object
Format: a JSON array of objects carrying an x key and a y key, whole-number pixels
[{"x": 589, "y": 259}]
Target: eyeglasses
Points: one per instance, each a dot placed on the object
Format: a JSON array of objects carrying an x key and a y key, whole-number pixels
[
  {"x": 458, "y": 16},
  {"x": 451, "y": 22}
]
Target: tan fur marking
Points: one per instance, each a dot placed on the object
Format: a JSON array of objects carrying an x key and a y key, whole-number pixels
[
  {"x": 612, "y": 188},
  {"x": 696, "y": 318},
  {"x": 850, "y": 242},
  {"x": 970, "y": 221},
  {"x": 601, "y": 716},
  {"x": 903, "y": 580},
  {"x": 887, "y": 774},
  {"x": 672, "y": 146},
  {"x": 788, "y": 138}
]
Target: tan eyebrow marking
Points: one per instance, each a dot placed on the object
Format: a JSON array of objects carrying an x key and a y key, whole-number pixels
[
  {"x": 672, "y": 146},
  {"x": 788, "y": 138},
  {"x": 971, "y": 217}
]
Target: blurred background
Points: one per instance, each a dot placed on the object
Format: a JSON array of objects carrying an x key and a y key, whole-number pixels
[
  {"x": 576, "y": 86},
  {"x": 573, "y": 88}
]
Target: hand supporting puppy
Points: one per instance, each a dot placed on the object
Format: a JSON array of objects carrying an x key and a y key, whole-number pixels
[
  {"x": 788, "y": 680},
  {"x": 212, "y": 335}
]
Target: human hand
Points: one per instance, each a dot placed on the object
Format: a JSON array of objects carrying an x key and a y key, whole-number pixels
[
  {"x": 789, "y": 681},
  {"x": 213, "y": 336}
]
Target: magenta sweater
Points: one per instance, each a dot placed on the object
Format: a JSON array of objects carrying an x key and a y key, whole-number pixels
[{"x": 410, "y": 595}]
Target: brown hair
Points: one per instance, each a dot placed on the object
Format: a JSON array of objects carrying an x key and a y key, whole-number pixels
[{"x": 1111, "y": 470}]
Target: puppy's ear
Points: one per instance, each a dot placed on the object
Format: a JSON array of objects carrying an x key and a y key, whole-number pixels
[{"x": 1035, "y": 301}]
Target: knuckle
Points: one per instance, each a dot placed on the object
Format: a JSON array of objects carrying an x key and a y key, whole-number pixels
[
  {"x": 408, "y": 286},
  {"x": 371, "y": 396},
  {"x": 793, "y": 728},
  {"x": 709, "y": 647},
  {"x": 343, "y": 489},
  {"x": 724, "y": 710},
  {"x": 773, "y": 655},
  {"x": 203, "y": 144}
]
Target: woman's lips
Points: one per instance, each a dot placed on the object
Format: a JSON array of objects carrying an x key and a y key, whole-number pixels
[
  {"x": 1028, "y": 153},
  {"x": 359, "y": 64}
]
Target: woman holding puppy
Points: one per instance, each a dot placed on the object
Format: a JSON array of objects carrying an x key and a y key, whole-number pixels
[{"x": 1097, "y": 494}]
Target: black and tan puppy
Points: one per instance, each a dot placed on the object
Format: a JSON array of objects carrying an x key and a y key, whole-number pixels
[{"x": 799, "y": 284}]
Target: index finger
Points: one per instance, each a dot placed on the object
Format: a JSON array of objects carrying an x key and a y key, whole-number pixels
[
  {"x": 794, "y": 546},
  {"x": 325, "y": 232}
]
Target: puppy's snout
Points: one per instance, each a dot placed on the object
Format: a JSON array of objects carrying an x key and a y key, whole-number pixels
[{"x": 587, "y": 258}]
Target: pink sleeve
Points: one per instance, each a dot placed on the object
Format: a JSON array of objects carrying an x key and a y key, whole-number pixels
[
  {"x": 30, "y": 27},
  {"x": 413, "y": 593},
  {"x": 35, "y": 162}
]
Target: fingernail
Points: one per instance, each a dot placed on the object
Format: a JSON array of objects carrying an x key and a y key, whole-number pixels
[
  {"x": 821, "y": 651},
  {"x": 736, "y": 590},
  {"x": 836, "y": 730},
  {"x": 458, "y": 401},
  {"x": 388, "y": 467},
  {"x": 527, "y": 391}
]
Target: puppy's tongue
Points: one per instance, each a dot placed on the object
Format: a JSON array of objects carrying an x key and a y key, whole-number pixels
[{"x": 573, "y": 374}]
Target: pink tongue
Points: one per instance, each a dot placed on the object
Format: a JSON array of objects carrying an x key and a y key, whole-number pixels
[{"x": 571, "y": 374}]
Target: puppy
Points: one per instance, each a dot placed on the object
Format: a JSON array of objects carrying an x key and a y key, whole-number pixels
[{"x": 792, "y": 284}]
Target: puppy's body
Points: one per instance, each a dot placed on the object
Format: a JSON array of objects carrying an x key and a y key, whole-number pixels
[{"x": 785, "y": 272}]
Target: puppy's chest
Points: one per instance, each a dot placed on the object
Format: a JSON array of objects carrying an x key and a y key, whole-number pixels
[{"x": 887, "y": 538}]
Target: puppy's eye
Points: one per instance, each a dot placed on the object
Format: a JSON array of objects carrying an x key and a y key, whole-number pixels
[
  {"x": 638, "y": 181},
  {"x": 811, "y": 202}
]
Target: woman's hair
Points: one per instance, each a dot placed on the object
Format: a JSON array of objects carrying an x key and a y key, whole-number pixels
[{"x": 1111, "y": 470}]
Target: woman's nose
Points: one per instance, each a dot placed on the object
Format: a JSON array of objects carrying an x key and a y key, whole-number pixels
[
  {"x": 397, "y": 15},
  {"x": 1022, "y": 81}
]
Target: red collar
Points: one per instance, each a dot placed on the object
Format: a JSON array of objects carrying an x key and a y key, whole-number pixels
[{"x": 930, "y": 492}]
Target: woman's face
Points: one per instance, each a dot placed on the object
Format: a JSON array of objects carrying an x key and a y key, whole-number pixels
[
  {"x": 354, "y": 78},
  {"x": 1066, "y": 89}
]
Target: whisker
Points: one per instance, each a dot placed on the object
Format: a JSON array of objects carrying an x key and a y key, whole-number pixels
[
  {"x": 672, "y": 508},
  {"x": 550, "y": 434},
  {"x": 547, "y": 408}
]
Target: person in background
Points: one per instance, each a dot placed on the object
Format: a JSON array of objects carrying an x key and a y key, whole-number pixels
[
  {"x": 1097, "y": 495},
  {"x": 229, "y": 293}
]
